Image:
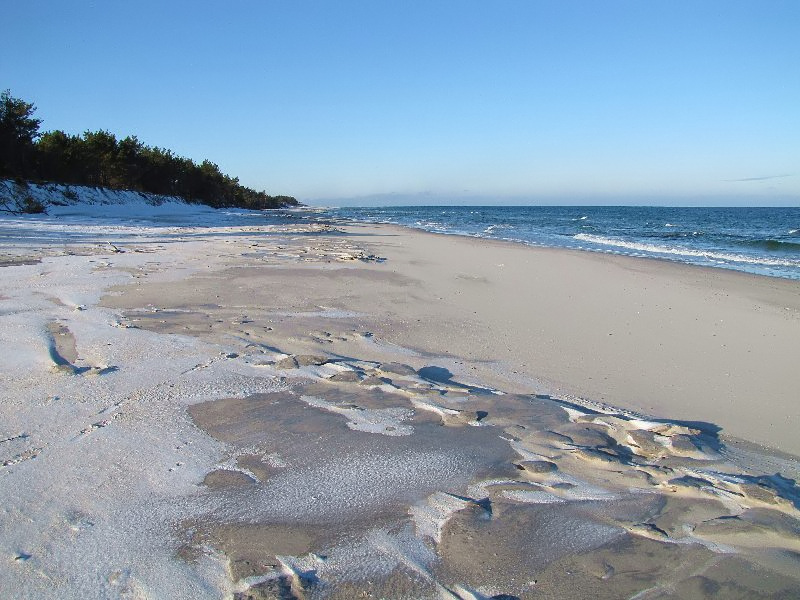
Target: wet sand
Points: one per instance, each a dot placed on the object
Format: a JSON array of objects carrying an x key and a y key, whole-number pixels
[{"x": 313, "y": 412}]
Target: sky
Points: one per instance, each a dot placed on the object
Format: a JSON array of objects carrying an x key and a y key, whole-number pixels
[{"x": 370, "y": 102}]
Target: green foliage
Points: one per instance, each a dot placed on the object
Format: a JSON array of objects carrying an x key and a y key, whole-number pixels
[
  {"x": 100, "y": 159},
  {"x": 18, "y": 131}
]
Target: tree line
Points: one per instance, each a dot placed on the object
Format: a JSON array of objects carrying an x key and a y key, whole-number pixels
[{"x": 100, "y": 159}]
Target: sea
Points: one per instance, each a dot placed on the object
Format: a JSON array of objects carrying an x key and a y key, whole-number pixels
[{"x": 763, "y": 241}]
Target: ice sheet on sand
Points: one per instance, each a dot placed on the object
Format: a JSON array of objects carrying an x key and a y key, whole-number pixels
[
  {"x": 442, "y": 411},
  {"x": 99, "y": 468},
  {"x": 324, "y": 312},
  {"x": 348, "y": 485},
  {"x": 533, "y": 496},
  {"x": 430, "y": 516},
  {"x": 573, "y": 414},
  {"x": 373, "y": 555},
  {"x": 385, "y": 421}
]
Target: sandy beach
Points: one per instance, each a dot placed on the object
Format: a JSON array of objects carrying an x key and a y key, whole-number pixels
[
  {"x": 654, "y": 336},
  {"x": 302, "y": 410}
]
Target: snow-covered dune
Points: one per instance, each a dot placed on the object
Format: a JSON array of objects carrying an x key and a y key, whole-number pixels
[{"x": 78, "y": 200}]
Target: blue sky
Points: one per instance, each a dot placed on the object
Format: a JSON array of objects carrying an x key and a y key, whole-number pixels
[{"x": 517, "y": 101}]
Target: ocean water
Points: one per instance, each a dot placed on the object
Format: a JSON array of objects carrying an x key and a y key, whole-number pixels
[{"x": 764, "y": 241}]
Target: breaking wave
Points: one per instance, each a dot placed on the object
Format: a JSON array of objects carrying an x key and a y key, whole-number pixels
[{"x": 687, "y": 252}]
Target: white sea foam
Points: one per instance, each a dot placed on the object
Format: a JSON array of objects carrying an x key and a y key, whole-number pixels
[
  {"x": 433, "y": 225},
  {"x": 491, "y": 228},
  {"x": 681, "y": 251}
]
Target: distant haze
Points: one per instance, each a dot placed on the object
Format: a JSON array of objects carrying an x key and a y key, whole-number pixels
[
  {"x": 588, "y": 199},
  {"x": 580, "y": 102}
]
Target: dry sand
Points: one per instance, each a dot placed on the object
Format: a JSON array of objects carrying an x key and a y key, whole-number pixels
[
  {"x": 379, "y": 412},
  {"x": 671, "y": 340}
]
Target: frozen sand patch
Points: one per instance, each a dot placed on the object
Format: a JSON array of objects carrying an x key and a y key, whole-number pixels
[
  {"x": 321, "y": 458},
  {"x": 97, "y": 470},
  {"x": 598, "y": 454},
  {"x": 334, "y": 472},
  {"x": 385, "y": 421},
  {"x": 431, "y": 516}
]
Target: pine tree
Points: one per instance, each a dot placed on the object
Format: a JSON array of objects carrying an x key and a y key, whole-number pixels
[{"x": 18, "y": 131}]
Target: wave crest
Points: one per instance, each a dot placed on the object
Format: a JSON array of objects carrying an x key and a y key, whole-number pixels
[{"x": 680, "y": 251}]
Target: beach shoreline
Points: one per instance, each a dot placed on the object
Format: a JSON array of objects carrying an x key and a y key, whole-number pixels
[
  {"x": 667, "y": 339},
  {"x": 315, "y": 411},
  {"x": 750, "y": 240}
]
